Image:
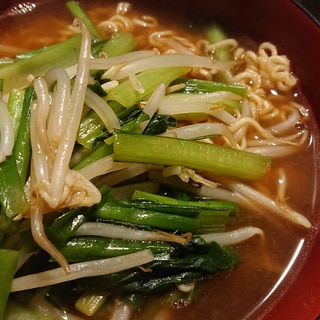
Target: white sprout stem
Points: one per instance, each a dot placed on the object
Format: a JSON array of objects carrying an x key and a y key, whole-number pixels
[
  {"x": 162, "y": 61},
  {"x": 185, "y": 174},
  {"x": 97, "y": 168},
  {"x": 153, "y": 104},
  {"x": 232, "y": 237},
  {"x": 41, "y": 155},
  {"x": 122, "y": 311},
  {"x": 72, "y": 71},
  {"x": 266, "y": 203},
  {"x": 107, "y": 86},
  {"x": 41, "y": 238},
  {"x": 102, "y": 166},
  {"x": 108, "y": 62},
  {"x": 135, "y": 83},
  {"x": 199, "y": 103},
  {"x": 127, "y": 172},
  {"x": 223, "y": 116},
  {"x": 6, "y": 131},
  {"x": 240, "y": 193},
  {"x": 218, "y": 193},
  {"x": 103, "y": 110},
  {"x": 274, "y": 151},
  {"x": 64, "y": 152},
  {"x": 80, "y": 154},
  {"x": 53, "y": 184},
  {"x": 61, "y": 98},
  {"x": 82, "y": 270},
  {"x": 108, "y": 230},
  {"x": 197, "y": 130}
]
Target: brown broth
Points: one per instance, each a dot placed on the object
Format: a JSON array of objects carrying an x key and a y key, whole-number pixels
[{"x": 237, "y": 293}]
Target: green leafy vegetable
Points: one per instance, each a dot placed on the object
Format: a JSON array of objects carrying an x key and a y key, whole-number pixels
[
  {"x": 76, "y": 10},
  {"x": 63, "y": 54},
  {"x": 193, "y": 154},
  {"x": 121, "y": 43},
  {"x": 127, "y": 96},
  {"x": 204, "y": 86},
  {"x": 8, "y": 262}
]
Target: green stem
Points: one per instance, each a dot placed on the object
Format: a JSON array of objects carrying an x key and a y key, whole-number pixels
[
  {"x": 91, "y": 130},
  {"x": 121, "y": 43},
  {"x": 205, "y": 86},
  {"x": 90, "y": 302},
  {"x": 22, "y": 147},
  {"x": 192, "y": 154},
  {"x": 12, "y": 196},
  {"x": 216, "y": 34},
  {"x": 63, "y": 55},
  {"x": 7, "y": 225},
  {"x": 159, "y": 220},
  {"x": 93, "y": 248},
  {"x": 76, "y": 10},
  {"x": 127, "y": 96},
  {"x": 162, "y": 283},
  {"x": 213, "y": 215},
  {"x": 61, "y": 229},
  {"x": 17, "y": 310},
  {"x": 15, "y": 103},
  {"x": 65, "y": 225},
  {"x": 8, "y": 263},
  {"x": 217, "y": 205},
  {"x": 100, "y": 152},
  {"x": 175, "y": 297}
]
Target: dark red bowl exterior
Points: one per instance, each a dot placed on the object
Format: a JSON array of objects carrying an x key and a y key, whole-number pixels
[{"x": 297, "y": 36}]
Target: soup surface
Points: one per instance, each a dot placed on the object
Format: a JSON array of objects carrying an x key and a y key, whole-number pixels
[{"x": 268, "y": 264}]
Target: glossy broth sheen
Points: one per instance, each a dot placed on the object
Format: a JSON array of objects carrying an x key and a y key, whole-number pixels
[{"x": 230, "y": 295}]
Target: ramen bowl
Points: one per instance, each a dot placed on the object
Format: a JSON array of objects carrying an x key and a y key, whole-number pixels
[{"x": 294, "y": 31}]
